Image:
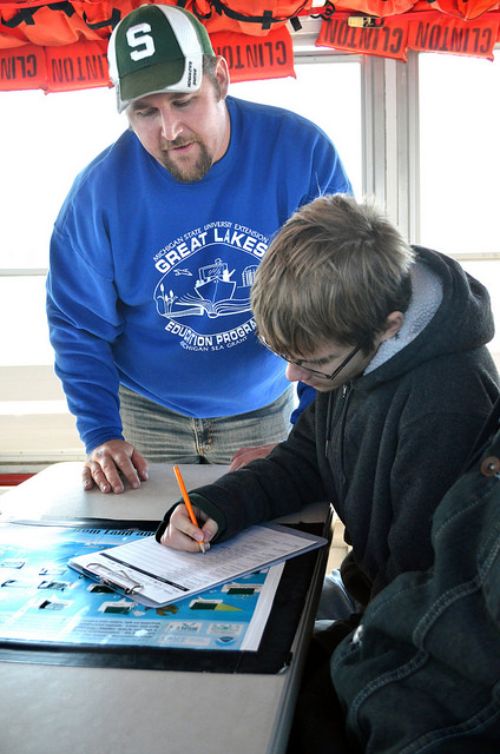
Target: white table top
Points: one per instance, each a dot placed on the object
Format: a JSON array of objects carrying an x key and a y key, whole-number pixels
[{"x": 81, "y": 710}]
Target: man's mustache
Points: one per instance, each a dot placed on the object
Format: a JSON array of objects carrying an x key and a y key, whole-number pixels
[{"x": 179, "y": 142}]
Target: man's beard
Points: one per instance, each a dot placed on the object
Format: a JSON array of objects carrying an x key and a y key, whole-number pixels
[{"x": 189, "y": 173}]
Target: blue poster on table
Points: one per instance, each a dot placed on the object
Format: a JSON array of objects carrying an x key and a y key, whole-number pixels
[{"x": 44, "y": 601}]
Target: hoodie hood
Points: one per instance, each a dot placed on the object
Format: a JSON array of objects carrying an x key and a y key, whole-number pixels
[{"x": 463, "y": 321}]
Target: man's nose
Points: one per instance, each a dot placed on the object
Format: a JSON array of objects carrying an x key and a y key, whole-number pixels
[{"x": 170, "y": 125}]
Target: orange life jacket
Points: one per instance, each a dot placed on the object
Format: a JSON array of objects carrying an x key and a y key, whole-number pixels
[
  {"x": 467, "y": 9},
  {"x": 256, "y": 18},
  {"x": 381, "y": 8},
  {"x": 63, "y": 23}
]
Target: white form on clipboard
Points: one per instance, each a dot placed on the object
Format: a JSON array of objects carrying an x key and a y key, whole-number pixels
[{"x": 154, "y": 575}]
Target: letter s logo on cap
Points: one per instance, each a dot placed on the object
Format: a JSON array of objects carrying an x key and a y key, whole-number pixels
[{"x": 137, "y": 36}]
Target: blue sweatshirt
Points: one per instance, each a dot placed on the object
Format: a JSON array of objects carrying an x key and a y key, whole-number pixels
[{"x": 149, "y": 282}]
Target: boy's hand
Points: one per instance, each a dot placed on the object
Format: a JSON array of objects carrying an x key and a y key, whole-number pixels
[{"x": 181, "y": 534}]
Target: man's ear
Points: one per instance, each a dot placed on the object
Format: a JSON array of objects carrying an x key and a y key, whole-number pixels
[
  {"x": 222, "y": 76},
  {"x": 393, "y": 324}
]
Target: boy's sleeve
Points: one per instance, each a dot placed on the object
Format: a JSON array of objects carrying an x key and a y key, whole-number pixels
[{"x": 284, "y": 482}]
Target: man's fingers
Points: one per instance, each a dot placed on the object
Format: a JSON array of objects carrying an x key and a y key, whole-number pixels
[
  {"x": 105, "y": 471},
  {"x": 113, "y": 462},
  {"x": 243, "y": 456},
  {"x": 87, "y": 480},
  {"x": 100, "y": 478},
  {"x": 141, "y": 465},
  {"x": 127, "y": 460}
]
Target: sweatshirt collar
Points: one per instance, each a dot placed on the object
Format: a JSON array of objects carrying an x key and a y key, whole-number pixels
[{"x": 426, "y": 298}]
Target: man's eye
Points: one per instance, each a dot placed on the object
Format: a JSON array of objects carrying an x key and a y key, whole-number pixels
[
  {"x": 146, "y": 112},
  {"x": 180, "y": 104}
]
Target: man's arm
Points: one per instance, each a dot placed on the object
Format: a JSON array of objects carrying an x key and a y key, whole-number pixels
[{"x": 83, "y": 323}]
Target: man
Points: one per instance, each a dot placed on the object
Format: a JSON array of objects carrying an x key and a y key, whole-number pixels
[
  {"x": 155, "y": 250},
  {"x": 393, "y": 339}
]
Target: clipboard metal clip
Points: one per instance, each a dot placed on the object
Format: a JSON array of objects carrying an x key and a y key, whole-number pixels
[{"x": 120, "y": 579}]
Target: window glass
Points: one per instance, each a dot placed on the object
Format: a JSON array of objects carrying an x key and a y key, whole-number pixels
[
  {"x": 459, "y": 154},
  {"x": 460, "y": 165},
  {"x": 46, "y": 140},
  {"x": 25, "y": 339}
]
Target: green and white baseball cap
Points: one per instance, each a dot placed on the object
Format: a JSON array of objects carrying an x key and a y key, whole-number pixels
[{"x": 157, "y": 48}]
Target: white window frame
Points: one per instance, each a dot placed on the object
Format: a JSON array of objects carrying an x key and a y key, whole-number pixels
[{"x": 390, "y": 118}]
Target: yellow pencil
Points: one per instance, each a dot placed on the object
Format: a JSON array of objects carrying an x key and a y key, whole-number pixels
[{"x": 187, "y": 501}]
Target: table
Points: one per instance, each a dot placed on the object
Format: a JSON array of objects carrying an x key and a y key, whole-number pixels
[{"x": 81, "y": 710}]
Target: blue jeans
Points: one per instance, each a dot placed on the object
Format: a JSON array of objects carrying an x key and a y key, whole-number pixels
[
  {"x": 163, "y": 436},
  {"x": 335, "y": 602}
]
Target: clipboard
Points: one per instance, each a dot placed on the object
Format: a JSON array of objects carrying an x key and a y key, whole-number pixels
[{"x": 155, "y": 576}]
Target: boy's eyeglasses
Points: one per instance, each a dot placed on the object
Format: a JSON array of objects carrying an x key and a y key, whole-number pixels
[{"x": 300, "y": 362}]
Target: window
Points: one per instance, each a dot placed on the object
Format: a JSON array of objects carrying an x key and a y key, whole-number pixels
[
  {"x": 459, "y": 155},
  {"x": 460, "y": 165},
  {"x": 47, "y": 141}
]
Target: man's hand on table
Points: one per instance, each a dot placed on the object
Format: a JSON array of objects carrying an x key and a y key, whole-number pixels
[
  {"x": 243, "y": 456},
  {"x": 181, "y": 534},
  {"x": 109, "y": 462}
]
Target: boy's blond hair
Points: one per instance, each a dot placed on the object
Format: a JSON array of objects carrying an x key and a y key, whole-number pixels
[{"x": 333, "y": 273}]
